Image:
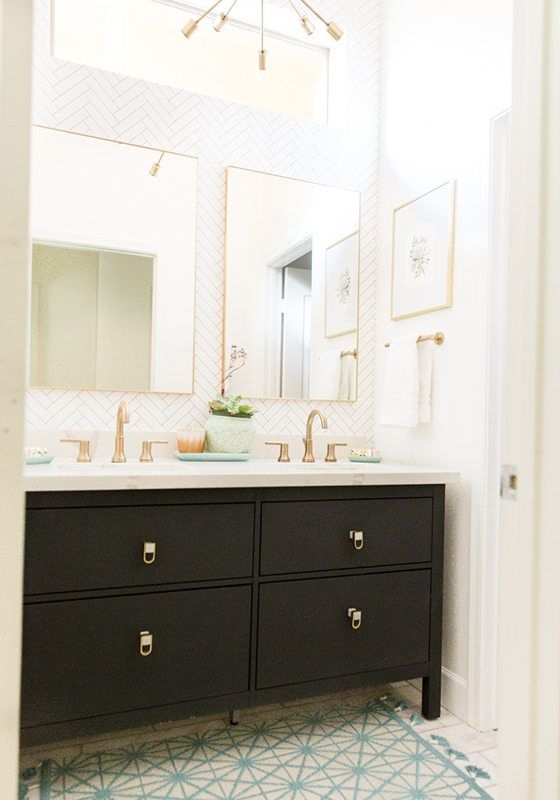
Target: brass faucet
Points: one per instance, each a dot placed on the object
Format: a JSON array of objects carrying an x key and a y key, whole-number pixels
[
  {"x": 308, "y": 456},
  {"x": 123, "y": 417}
]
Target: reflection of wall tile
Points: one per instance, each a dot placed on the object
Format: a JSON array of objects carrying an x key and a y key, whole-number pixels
[{"x": 85, "y": 100}]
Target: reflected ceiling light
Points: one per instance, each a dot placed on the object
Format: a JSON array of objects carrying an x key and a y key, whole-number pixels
[
  {"x": 192, "y": 24},
  {"x": 155, "y": 167},
  {"x": 332, "y": 27},
  {"x": 221, "y": 20},
  {"x": 305, "y": 22},
  {"x": 308, "y": 26},
  {"x": 262, "y": 51}
]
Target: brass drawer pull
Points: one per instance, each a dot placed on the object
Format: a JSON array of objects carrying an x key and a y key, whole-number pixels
[
  {"x": 149, "y": 554},
  {"x": 355, "y": 617},
  {"x": 146, "y": 643},
  {"x": 358, "y": 539}
]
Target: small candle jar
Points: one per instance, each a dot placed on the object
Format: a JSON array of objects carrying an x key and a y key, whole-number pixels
[{"x": 191, "y": 440}]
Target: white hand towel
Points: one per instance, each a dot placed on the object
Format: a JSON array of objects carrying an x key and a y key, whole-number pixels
[
  {"x": 425, "y": 352},
  {"x": 327, "y": 379},
  {"x": 402, "y": 383},
  {"x": 347, "y": 385}
]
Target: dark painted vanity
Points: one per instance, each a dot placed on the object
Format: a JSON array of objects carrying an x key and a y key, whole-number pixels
[{"x": 144, "y": 606}]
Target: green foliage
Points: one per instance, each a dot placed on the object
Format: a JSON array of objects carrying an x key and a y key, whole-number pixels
[{"x": 232, "y": 407}]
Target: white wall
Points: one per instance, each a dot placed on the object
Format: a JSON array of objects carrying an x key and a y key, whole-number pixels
[
  {"x": 64, "y": 299},
  {"x": 15, "y": 79},
  {"x": 91, "y": 101},
  {"x": 124, "y": 321},
  {"x": 446, "y": 73}
]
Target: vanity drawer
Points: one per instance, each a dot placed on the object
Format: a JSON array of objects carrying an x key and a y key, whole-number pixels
[
  {"x": 315, "y": 535},
  {"x": 82, "y": 658},
  {"x": 73, "y": 549},
  {"x": 305, "y": 633}
]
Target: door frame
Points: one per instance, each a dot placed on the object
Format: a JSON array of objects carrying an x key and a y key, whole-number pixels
[
  {"x": 15, "y": 132},
  {"x": 483, "y": 650},
  {"x": 529, "y": 631}
]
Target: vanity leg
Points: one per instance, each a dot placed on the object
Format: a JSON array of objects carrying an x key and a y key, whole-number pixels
[
  {"x": 234, "y": 716},
  {"x": 431, "y": 696}
]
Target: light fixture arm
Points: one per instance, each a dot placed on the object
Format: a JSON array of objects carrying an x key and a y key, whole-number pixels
[
  {"x": 313, "y": 11},
  {"x": 230, "y": 9},
  {"x": 209, "y": 11},
  {"x": 332, "y": 28},
  {"x": 293, "y": 5}
]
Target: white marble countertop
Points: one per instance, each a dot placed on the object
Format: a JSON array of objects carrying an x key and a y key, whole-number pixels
[{"x": 66, "y": 475}]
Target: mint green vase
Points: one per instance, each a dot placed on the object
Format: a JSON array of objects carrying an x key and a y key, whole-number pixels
[{"x": 225, "y": 434}]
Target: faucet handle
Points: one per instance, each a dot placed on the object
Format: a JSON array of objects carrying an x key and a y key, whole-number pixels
[
  {"x": 284, "y": 455},
  {"x": 84, "y": 456},
  {"x": 331, "y": 458},
  {"x": 146, "y": 455}
]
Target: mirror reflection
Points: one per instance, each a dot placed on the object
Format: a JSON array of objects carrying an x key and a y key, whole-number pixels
[
  {"x": 113, "y": 268},
  {"x": 292, "y": 276},
  {"x": 91, "y": 318}
]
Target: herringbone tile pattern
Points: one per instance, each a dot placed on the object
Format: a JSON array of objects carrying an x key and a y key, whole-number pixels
[{"x": 85, "y": 100}]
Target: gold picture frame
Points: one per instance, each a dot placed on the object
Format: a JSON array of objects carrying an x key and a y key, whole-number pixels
[
  {"x": 354, "y": 329},
  {"x": 414, "y": 255}
]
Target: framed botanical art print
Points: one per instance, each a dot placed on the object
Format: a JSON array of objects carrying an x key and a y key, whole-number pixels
[
  {"x": 423, "y": 244},
  {"x": 341, "y": 286}
]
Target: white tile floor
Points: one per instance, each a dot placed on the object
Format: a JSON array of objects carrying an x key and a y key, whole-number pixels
[{"x": 481, "y": 748}]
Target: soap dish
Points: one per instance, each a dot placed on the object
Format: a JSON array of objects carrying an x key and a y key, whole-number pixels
[
  {"x": 36, "y": 460},
  {"x": 365, "y": 459}
]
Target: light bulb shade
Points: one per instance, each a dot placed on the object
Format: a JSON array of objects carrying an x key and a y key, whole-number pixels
[
  {"x": 307, "y": 25},
  {"x": 220, "y": 22},
  {"x": 336, "y": 32},
  {"x": 262, "y": 60},
  {"x": 189, "y": 28}
]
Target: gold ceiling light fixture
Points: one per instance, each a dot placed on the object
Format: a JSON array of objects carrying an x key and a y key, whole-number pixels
[
  {"x": 223, "y": 17},
  {"x": 154, "y": 169},
  {"x": 305, "y": 22},
  {"x": 262, "y": 51}
]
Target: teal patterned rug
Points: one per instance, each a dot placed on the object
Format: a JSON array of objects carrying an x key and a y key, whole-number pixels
[{"x": 346, "y": 752}]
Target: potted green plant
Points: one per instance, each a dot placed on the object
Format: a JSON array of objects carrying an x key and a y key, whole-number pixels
[{"x": 230, "y": 428}]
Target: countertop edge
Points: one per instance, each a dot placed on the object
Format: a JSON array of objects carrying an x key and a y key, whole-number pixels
[{"x": 70, "y": 483}]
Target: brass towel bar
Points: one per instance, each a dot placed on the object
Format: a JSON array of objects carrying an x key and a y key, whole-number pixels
[
  {"x": 349, "y": 353},
  {"x": 438, "y": 338}
]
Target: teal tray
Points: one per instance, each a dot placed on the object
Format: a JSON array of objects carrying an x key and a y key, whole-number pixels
[
  {"x": 213, "y": 456},
  {"x": 35, "y": 460},
  {"x": 365, "y": 459}
]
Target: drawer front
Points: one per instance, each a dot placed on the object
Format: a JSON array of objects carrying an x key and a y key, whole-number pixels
[
  {"x": 82, "y": 658},
  {"x": 73, "y": 549},
  {"x": 313, "y": 536},
  {"x": 305, "y": 633}
]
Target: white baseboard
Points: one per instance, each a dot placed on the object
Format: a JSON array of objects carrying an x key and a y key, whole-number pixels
[{"x": 454, "y": 693}]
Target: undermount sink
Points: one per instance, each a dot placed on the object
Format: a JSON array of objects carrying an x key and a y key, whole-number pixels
[
  {"x": 131, "y": 467},
  {"x": 321, "y": 466}
]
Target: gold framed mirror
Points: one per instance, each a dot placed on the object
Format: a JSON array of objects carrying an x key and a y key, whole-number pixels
[
  {"x": 291, "y": 287},
  {"x": 114, "y": 265}
]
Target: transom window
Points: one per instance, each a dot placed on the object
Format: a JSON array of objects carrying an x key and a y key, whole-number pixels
[{"x": 143, "y": 38}]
